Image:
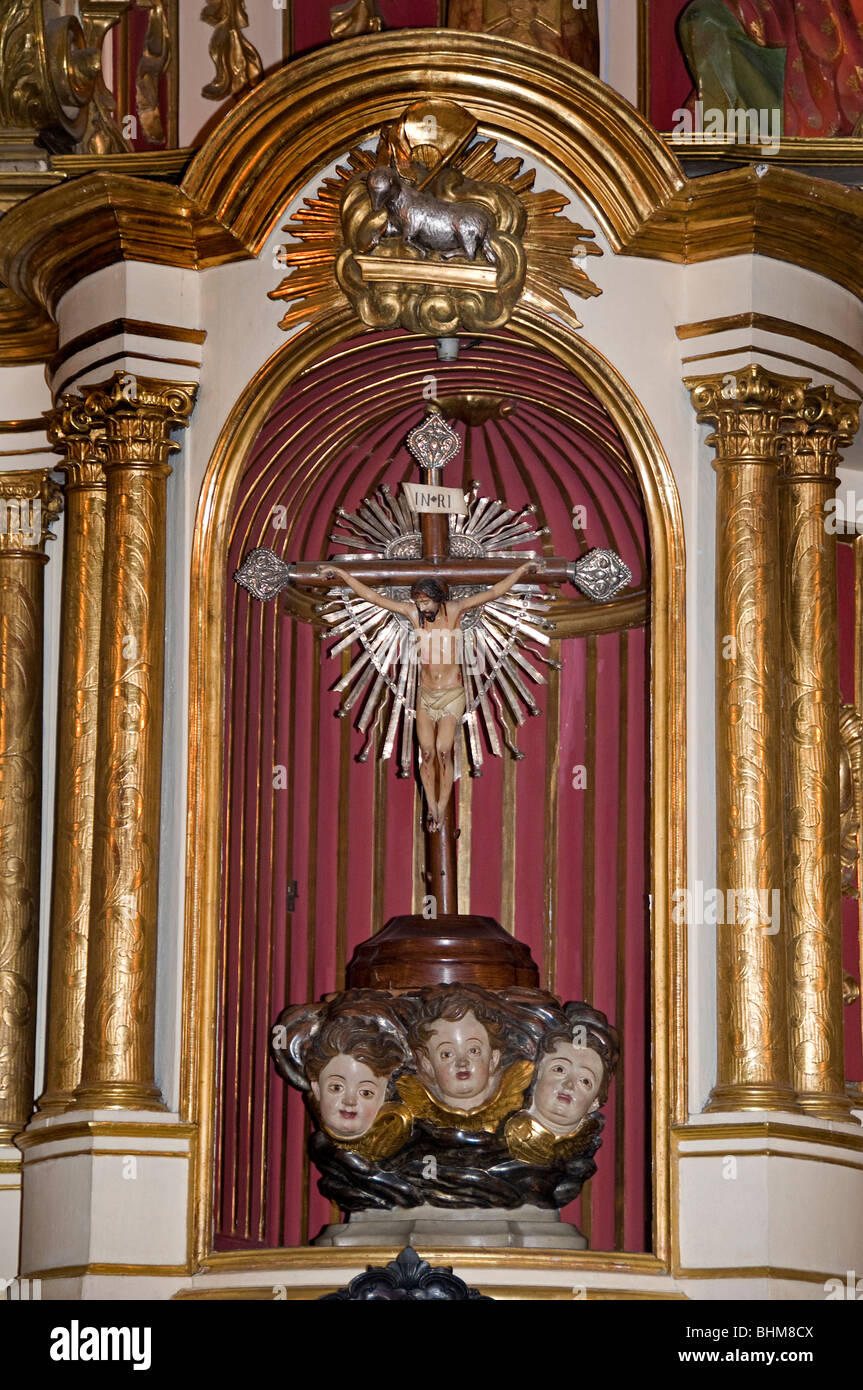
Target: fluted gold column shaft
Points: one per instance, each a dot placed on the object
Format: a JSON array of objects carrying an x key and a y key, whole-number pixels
[
  {"x": 813, "y": 886},
  {"x": 74, "y": 431},
  {"x": 118, "y": 1062},
  {"x": 29, "y": 502},
  {"x": 748, "y": 407}
]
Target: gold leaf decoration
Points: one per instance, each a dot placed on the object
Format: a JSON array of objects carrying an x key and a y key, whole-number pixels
[
  {"x": 237, "y": 61},
  {"x": 431, "y": 147}
]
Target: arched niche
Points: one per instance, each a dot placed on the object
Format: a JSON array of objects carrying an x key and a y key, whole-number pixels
[{"x": 226, "y": 518}]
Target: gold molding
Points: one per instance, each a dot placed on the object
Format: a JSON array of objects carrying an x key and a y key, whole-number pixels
[
  {"x": 22, "y": 426},
  {"x": 831, "y": 151},
  {"x": 113, "y": 328},
  {"x": 166, "y": 165},
  {"x": 802, "y": 1276},
  {"x": 768, "y": 323},
  {"x": 52, "y": 241},
  {"x": 206, "y": 719},
  {"x": 27, "y": 334},
  {"x": 121, "y": 1270},
  {"x": 738, "y": 212},
  {"x": 95, "y": 1129},
  {"x": 501, "y": 1293},
  {"x": 777, "y": 1153},
  {"x": 578, "y": 620},
  {"x": 769, "y": 1129},
  {"x": 107, "y": 1153},
  {"x": 334, "y": 1257}
]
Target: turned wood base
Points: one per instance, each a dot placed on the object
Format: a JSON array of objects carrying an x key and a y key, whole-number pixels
[{"x": 412, "y": 951}]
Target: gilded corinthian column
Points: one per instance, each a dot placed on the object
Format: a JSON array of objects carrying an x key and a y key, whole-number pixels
[
  {"x": 73, "y": 433},
  {"x": 748, "y": 408},
  {"x": 813, "y": 882},
  {"x": 119, "y": 1031},
  {"x": 29, "y": 503}
]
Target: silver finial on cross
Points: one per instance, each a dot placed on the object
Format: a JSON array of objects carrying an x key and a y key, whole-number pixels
[{"x": 434, "y": 442}]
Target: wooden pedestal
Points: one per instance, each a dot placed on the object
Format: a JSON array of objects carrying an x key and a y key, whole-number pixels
[{"x": 410, "y": 952}]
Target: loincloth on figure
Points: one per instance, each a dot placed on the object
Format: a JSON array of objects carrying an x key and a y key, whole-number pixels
[{"x": 439, "y": 704}]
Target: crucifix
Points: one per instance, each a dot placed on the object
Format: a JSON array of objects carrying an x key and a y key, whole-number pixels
[{"x": 435, "y": 546}]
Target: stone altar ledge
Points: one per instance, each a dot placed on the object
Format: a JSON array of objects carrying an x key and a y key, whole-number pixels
[{"x": 523, "y": 1228}]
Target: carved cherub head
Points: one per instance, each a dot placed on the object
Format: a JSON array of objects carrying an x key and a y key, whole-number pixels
[
  {"x": 344, "y": 1052},
  {"x": 349, "y": 1067},
  {"x": 574, "y": 1066},
  {"x": 458, "y": 1040}
]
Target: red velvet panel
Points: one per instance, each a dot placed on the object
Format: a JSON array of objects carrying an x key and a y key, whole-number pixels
[{"x": 670, "y": 79}]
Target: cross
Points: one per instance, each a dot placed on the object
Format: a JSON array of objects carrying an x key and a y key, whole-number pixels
[{"x": 600, "y": 574}]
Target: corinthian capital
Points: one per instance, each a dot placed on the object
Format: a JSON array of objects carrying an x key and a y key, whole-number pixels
[
  {"x": 30, "y": 503},
  {"x": 137, "y": 415},
  {"x": 749, "y": 408},
  {"x": 826, "y": 423},
  {"x": 76, "y": 433}
]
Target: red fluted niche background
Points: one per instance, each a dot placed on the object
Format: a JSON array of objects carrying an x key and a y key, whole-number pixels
[{"x": 553, "y": 846}]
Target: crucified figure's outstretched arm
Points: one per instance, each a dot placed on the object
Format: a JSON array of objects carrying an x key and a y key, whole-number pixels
[
  {"x": 499, "y": 589},
  {"x": 363, "y": 590}
]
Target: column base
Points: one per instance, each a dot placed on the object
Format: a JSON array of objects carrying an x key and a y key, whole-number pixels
[
  {"x": 775, "y": 1197},
  {"x": 104, "y": 1191},
  {"x": 55, "y": 1102},
  {"x": 752, "y": 1095},
  {"x": 121, "y": 1095},
  {"x": 827, "y": 1105}
]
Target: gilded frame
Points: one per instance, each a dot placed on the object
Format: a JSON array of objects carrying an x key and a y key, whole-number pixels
[{"x": 206, "y": 723}]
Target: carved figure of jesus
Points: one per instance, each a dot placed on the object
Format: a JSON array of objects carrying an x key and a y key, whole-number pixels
[{"x": 436, "y": 622}]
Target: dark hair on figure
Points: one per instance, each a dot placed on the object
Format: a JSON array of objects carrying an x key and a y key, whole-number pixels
[
  {"x": 378, "y": 1050},
  {"x": 432, "y": 588}
]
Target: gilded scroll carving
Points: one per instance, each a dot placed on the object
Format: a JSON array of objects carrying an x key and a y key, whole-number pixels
[
  {"x": 47, "y": 71},
  {"x": 152, "y": 64},
  {"x": 748, "y": 407},
  {"x": 102, "y": 134},
  {"x": 850, "y": 793},
  {"x": 811, "y": 749},
  {"x": 356, "y": 17},
  {"x": 118, "y": 1044},
  {"x": 237, "y": 61},
  {"x": 75, "y": 433},
  {"x": 29, "y": 504}
]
